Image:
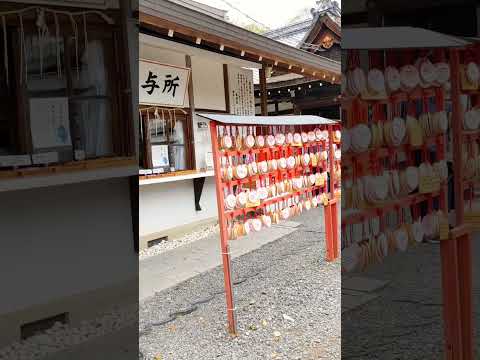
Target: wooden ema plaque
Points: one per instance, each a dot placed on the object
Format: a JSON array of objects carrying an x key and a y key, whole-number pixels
[
  {"x": 429, "y": 184},
  {"x": 444, "y": 229},
  {"x": 472, "y": 218}
]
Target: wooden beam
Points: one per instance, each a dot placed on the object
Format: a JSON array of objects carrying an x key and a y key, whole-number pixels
[
  {"x": 263, "y": 91},
  {"x": 268, "y": 59},
  {"x": 226, "y": 88},
  {"x": 129, "y": 129}
]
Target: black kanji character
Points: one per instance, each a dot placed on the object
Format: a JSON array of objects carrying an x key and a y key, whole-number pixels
[
  {"x": 151, "y": 83},
  {"x": 171, "y": 84}
]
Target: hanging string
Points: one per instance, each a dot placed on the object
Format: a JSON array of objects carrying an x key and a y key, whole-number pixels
[
  {"x": 171, "y": 123},
  {"x": 57, "y": 43},
  {"x": 85, "y": 35},
  {"x": 5, "y": 49},
  {"x": 42, "y": 29},
  {"x": 40, "y": 50},
  {"x": 148, "y": 124},
  {"x": 164, "y": 121},
  {"x": 174, "y": 121},
  {"x": 156, "y": 121},
  {"x": 75, "y": 34},
  {"x": 105, "y": 17},
  {"x": 23, "y": 51}
]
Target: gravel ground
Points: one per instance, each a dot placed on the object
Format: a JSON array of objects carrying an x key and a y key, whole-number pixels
[
  {"x": 406, "y": 321},
  {"x": 287, "y": 300},
  {"x": 62, "y": 337},
  {"x": 164, "y": 246}
]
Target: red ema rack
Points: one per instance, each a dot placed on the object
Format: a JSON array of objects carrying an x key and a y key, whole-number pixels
[
  {"x": 362, "y": 109},
  {"x": 455, "y": 248},
  {"x": 232, "y": 155}
]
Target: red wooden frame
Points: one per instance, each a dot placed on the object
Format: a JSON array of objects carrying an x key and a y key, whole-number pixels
[
  {"x": 330, "y": 215},
  {"x": 456, "y": 251}
]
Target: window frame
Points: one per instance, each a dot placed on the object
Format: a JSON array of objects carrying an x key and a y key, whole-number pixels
[
  {"x": 146, "y": 139},
  {"x": 123, "y": 147}
]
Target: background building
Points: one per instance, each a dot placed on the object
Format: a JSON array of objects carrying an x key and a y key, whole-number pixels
[
  {"x": 222, "y": 60},
  {"x": 319, "y": 33}
]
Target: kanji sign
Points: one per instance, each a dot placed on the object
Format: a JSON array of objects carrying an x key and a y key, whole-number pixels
[{"x": 161, "y": 84}]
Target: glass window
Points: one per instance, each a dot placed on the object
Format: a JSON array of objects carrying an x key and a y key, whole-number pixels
[
  {"x": 164, "y": 138},
  {"x": 60, "y": 94}
]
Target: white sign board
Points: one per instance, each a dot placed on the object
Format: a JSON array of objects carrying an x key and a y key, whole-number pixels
[
  {"x": 241, "y": 88},
  {"x": 49, "y": 122},
  {"x": 15, "y": 160},
  {"x": 160, "y": 156},
  {"x": 163, "y": 85}
]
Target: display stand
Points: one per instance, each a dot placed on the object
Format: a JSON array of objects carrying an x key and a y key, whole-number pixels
[
  {"x": 267, "y": 170},
  {"x": 455, "y": 252}
]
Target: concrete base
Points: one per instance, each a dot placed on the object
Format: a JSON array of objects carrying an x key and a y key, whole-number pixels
[
  {"x": 176, "y": 232},
  {"x": 85, "y": 306},
  {"x": 175, "y": 266}
]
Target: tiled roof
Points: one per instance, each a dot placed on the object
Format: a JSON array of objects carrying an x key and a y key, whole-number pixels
[{"x": 293, "y": 34}]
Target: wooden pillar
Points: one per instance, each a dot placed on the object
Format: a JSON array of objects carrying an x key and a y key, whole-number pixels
[
  {"x": 463, "y": 239},
  {"x": 456, "y": 272},
  {"x": 189, "y": 129},
  {"x": 130, "y": 131},
  {"x": 147, "y": 143},
  {"x": 457, "y": 132},
  {"x": 222, "y": 221},
  {"x": 263, "y": 91},
  {"x": 226, "y": 87}
]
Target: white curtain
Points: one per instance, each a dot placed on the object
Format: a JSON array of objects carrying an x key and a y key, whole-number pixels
[
  {"x": 180, "y": 163},
  {"x": 96, "y": 120}
]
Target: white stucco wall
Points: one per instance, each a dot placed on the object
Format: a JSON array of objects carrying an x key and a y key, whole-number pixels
[
  {"x": 64, "y": 240},
  {"x": 169, "y": 205}
]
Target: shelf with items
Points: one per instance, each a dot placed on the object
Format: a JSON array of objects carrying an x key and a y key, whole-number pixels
[{"x": 68, "y": 173}]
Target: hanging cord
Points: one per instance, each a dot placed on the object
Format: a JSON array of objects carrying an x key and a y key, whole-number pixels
[
  {"x": 174, "y": 121},
  {"x": 75, "y": 34},
  {"x": 57, "y": 45},
  {"x": 23, "y": 52},
  {"x": 5, "y": 49},
  {"x": 85, "y": 35},
  {"x": 104, "y": 17},
  {"x": 40, "y": 47},
  {"x": 157, "y": 118},
  {"x": 171, "y": 124},
  {"x": 42, "y": 29},
  {"x": 164, "y": 122}
]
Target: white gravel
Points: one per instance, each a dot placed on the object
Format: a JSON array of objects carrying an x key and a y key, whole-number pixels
[
  {"x": 62, "y": 336},
  {"x": 167, "y": 245},
  {"x": 287, "y": 300}
]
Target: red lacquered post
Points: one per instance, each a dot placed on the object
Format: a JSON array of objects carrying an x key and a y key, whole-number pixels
[{"x": 225, "y": 248}]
